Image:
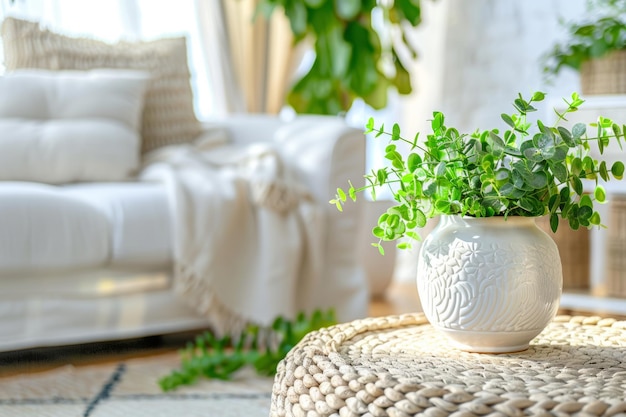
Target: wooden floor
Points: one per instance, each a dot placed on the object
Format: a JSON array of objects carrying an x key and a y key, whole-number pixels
[{"x": 400, "y": 298}]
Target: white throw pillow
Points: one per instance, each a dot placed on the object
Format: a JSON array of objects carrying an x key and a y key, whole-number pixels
[
  {"x": 67, "y": 126},
  {"x": 168, "y": 118}
]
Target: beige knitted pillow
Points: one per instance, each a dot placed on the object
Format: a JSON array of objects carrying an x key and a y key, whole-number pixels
[{"x": 168, "y": 116}]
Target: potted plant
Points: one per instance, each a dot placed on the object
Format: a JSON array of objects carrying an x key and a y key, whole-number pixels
[
  {"x": 488, "y": 276},
  {"x": 595, "y": 47},
  {"x": 352, "y": 60}
]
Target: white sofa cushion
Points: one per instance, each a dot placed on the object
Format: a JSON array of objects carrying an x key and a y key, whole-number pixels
[
  {"x": 139, "y": 219},
  {"x": 43, "y": 229},
  {"x": 168, "y": 118},
  {"x": 66, "y": 126}
]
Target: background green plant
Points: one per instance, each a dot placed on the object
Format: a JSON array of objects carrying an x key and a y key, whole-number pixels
[
  {"x": 602, "y": 31},
  {"x": 489, "y": 173},
  {"x": 262, "y": 348},
  {"x": 350, "y": 59}
]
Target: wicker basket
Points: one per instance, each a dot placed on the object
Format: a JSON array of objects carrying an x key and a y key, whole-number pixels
[
  {"x": 616, "y": 248},
  {"x": 606, "y": 75},
  {"x": 574, "y": 250}
]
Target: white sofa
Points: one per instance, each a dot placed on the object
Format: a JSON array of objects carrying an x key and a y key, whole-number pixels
[
  {"x": 89, "y": 252},
  {"x": 92, "y": 261}
]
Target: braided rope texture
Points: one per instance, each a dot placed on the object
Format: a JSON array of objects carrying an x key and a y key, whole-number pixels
[{"x": 399, "y": 366}]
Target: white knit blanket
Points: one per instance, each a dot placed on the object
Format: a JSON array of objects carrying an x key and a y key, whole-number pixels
[{"x": 246, "y": 234}]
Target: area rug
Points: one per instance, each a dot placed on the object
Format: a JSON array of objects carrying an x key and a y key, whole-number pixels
[{"x": 130, "y": 389}]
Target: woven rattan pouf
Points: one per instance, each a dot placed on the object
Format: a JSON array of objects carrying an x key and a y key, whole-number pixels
[{"x": 400, "y": 366}]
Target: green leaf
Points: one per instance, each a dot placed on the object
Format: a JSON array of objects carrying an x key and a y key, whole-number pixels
[
  {"x": 443, "y": 206},
  {"x": 600, "y": 194},
  {"x": 526, "y": 145},
  {"x": 560, "y": 171},
  {"x": 577, "y": 166},
  {"x": 420, "y": 218},
  {"x": 296, "y": 12},
  {"x": 352, "y": 192},
  {"x": 395, "y": 132},
  {"x": 510, "y": 150},
  {"x": 413, "y": 162},
  {"x": 543, "y": 129},
  {"x": 538, "y": 180},
  {"x": 618, "y": 169},
  {"x": 585, "y": 200},
  {"x": 381, "y": 176},
  {"x": 578, "y": 130},
  {"x": 381, "y": 130},
  {"x": 577, "y": 185},
  {"x": 566, "y": 136},
  {"x": 508, "y": 190},
  {"x": 369, "y": 127},
  {"x": 314, "y": 4},
  {"x": 415, "y": 140},
  {"x": 413, "y": 235},
  {"x": 437, "y": 121},
  {"x": 584, "y": 214},
  {"x": 507, "y": 119},
  {"x": 532, "y": 205},
  {"x": 347, "y": 9},
  {"x": 600, "y": 141},
  {"x": 498, "y": 144},
  {"x": 588, "y": 164},
  {"x": 533, "y": 155},
  {"x": 560, "y": 153},
  {"x": 595, "y": 219},
  {"x": 410, "y": 9},
  {"x": 502, "y": 174},
  {"x": 341, "y": 194},
  {"x": 604, "y": 172},
  {"x": 543, "y": 141},
  {"x": 538, "y": 96},
  {"x": 440, "y": 170},
  {"x": 554, "y": 202},
  {"x": 430, "y": 188},
  {"x": 554, "y": 222}
]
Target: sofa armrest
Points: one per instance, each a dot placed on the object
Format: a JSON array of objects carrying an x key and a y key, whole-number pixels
[
  {"x": 326, "y": 153},
  {"x": 324, "y": 149}
]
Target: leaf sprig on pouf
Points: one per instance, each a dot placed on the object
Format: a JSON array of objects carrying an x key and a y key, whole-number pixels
[
  {"x": 220, "y": 357},
  {"x": 492, "y": 173}
]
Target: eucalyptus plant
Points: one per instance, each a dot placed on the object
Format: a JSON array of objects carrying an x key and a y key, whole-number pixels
[{"x": 530, "y": 169}]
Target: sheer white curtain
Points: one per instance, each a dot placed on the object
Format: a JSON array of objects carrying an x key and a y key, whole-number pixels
[
  {"x": 251, "y": 59},
  {"x": 130, "y": 20}
]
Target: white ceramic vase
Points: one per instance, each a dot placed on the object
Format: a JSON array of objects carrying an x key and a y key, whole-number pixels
[{"x": 491, "y": 285}]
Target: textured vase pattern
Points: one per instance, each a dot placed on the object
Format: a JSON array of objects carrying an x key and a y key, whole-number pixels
[{"x": 489, "y": 275}]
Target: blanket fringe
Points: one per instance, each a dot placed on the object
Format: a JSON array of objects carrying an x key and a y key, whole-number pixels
[{"x": 199, "y": 295}]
